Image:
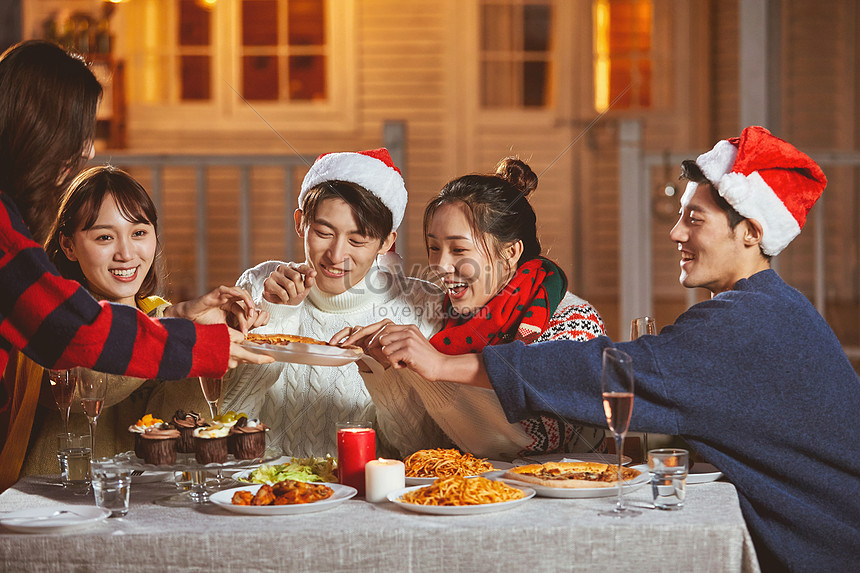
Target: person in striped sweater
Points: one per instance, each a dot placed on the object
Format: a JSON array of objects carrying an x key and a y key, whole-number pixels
[
  {"x": 48, "y": 103},
  {"x": 105, "y": 237},
  {"x": 481, "y": 238}
]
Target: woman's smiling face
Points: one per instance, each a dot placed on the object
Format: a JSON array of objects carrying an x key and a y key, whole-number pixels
[
  {"x": 115, "y": 254},
  {"x": 470, "y": 274}
]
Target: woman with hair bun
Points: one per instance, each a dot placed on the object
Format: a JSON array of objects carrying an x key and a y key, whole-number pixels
[{"x": 481, "y": 237}]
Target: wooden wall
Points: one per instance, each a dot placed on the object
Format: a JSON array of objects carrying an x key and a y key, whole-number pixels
[{"x": 416, "y": 62}]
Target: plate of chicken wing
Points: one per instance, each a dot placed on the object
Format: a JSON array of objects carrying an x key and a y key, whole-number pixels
[{"x": 283, "y": 498}]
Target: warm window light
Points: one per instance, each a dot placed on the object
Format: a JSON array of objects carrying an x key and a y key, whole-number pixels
[
  {"x": 207, "y": 3},
  {"x": 622, "y": 54},
  {"x": 601, "y": 51}
]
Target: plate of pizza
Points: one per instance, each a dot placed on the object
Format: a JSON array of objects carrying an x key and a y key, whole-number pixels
[
  {"x": 574, "y": 479},
  {"x": 301, "y": 349},
  {"x": 283, "y": 498}
]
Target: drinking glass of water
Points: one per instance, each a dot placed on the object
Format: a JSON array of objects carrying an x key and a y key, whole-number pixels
[
  {"x": 111, "y": 483},
  {"x": 668, "y": 469},
  {"x": 74, "y": 454}
]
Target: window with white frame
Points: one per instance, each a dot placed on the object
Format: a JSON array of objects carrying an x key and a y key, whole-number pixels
[
  {"x": 516, "y": 54},
  {"x": 227, "y": 54},
  {"x": 283, "y": 50}
]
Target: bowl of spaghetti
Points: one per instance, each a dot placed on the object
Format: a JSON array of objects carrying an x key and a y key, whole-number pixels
[
  {"x": 458, "y": 495},
  {"x": 424, "y": 466}
]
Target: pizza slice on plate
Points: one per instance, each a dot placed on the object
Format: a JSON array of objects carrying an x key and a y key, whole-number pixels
[
  {"x": 570, "y": 474},
  {"x": 282, "y": 339}
]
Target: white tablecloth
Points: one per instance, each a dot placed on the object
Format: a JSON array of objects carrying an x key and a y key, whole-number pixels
[{"x": 542, "y": 534}]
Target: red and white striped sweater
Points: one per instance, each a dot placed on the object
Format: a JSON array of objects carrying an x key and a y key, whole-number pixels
[{"x": 56, "y": 323}]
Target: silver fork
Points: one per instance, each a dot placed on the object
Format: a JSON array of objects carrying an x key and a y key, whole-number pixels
[{"x": 136, "y": 473}]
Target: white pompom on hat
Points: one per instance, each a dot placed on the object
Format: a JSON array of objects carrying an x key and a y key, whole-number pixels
[
  {"x": 373, "y": 170},
  {"x": 766, "y": 179}
]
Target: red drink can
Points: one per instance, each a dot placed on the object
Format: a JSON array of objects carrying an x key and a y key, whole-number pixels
[{"x": 356, "y": 445}]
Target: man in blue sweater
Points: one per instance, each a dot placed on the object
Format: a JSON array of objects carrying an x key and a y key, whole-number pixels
[{"x": 754, "y": 379}]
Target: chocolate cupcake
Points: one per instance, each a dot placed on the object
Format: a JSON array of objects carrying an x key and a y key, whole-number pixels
[
  {"x": 158, "y": 446},
  {"x": 142, "y": 425},
  {"x": 210, "y": 444},
  {"x": 248, "y": 439},
  {"x": 185, "y": 422}
]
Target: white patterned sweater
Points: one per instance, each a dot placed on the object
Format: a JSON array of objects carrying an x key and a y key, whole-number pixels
[
  {"x": 473, "y": 417},
  {"x": 302, "y": 404}
]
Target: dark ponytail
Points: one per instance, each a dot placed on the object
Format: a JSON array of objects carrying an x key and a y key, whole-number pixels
[{"x": 498, "y": 206}]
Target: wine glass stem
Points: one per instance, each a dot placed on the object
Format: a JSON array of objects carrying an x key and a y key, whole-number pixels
[
  {"x": 93, "y": 438},
  {"x": 619, "y": 446},
  {"x": 213, "y": 411},
  {"x": 64, "y": 416}
]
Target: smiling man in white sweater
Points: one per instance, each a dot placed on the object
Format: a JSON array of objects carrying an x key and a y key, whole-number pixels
[{"x": 350, "y": 207}]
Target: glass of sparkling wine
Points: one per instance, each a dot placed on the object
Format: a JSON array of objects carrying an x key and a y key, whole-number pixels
[
  {"x": 212, "y": 393},
  {"x": 639, "y": 327},
  {"x": 616, "y": 384},
  {"x": 92, "y": 389},
  {"x": 63, "y": 388}
]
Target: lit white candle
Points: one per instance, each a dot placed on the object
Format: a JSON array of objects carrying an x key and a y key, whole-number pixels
[{"x": 381, "y": 477}]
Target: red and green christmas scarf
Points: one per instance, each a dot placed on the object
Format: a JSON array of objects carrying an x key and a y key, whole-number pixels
[{"x": 521, "y": 311}]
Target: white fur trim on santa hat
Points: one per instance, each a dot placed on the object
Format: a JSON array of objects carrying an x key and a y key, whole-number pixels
[
  {"x": 714, "y": 164},
  {"x": 371, "y": 173},
  {"x": 718, "y": 161},
  {"x": 753, "y": 198},
  {"x": 689, "y": 191}
]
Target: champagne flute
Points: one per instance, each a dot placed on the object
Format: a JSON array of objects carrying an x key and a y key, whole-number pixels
[
  {"x": 616, "y": 384},
  {"x": 642, "y": 326},
  {"x": 92, "y": 389},
  {"x": 63, "y": 388},
  {"x": 639, "y": 327},
  {"x": 211, "y": 388},
  {"x": 212, "y": 393}
]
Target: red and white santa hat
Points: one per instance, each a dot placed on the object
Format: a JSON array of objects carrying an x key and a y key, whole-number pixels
[
  {"x": 374, "y": 170},
  {"x": 766, "y": 179}
]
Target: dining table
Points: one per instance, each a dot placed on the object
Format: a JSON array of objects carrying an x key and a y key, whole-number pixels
[{"x": 541, "y": 534}]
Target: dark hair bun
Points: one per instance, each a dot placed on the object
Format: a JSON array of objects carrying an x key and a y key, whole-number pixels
[{"x": 518, "y": 174}]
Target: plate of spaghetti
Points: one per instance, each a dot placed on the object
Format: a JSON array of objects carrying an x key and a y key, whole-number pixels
[
  {"x": 424, "y": 466},
  {"x": 458, "y": 495}
]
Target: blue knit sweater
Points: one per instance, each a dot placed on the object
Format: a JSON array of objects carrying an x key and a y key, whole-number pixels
[{"x": 756, "y": 381}]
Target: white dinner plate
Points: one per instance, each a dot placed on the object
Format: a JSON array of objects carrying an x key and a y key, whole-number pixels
[
  {"x": 301, "y": 353},
  {"x": 223, "y": 499},
  {"x": 151, "y": 477},
  {"x": 428, "y": 481},
  {"x": 703, "y": 473},
  {"x": 246, "y": 475},
  {"x": 56, "y": 519},
  {"x": 572, "y": 457},
  {"x": 242, "y": 475},
  {"x": 395, "y": 496},
  {"x": 581, "y": 492}
]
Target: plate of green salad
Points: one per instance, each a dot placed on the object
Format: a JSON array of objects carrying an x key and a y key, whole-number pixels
[{"x": 299, "y": 469}]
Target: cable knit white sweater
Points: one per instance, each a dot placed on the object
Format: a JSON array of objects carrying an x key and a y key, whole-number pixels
[{"x": 302, "y": 404}]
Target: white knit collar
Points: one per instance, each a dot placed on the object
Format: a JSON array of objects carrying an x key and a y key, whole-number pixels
[{"x": 374, "y": 288}]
